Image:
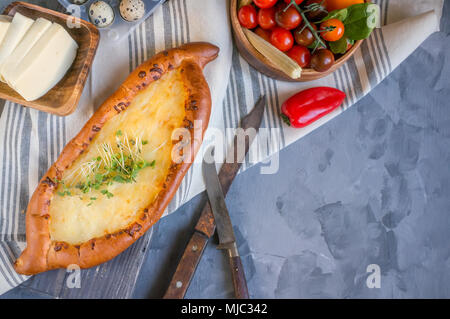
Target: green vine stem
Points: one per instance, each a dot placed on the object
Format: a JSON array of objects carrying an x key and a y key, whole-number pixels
[{"x": 307, "y": 23}]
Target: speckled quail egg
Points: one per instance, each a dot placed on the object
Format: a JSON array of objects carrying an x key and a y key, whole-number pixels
[
  {"x": 101, "y": 14},
  {"x": 132, "y": 10},
  {"x": 78, "y": 1}
]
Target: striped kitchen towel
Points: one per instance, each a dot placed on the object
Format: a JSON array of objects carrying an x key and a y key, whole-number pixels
[{"x": 31, "y": 140}]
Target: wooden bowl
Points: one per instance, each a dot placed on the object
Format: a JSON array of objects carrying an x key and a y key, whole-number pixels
[
  {"x": 263, "y": 65},
  {"x": 64, "y": 97}
]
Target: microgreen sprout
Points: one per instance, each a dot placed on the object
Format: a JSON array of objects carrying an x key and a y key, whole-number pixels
[{"x": 120, "y": 163}]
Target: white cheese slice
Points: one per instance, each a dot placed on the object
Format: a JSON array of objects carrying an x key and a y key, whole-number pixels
[
  {"x": 5, "y": 22},
  {"x": 45, "y": 64},
  {"x": 31, "y": 37},
  {"x": 19, "y": 26}
]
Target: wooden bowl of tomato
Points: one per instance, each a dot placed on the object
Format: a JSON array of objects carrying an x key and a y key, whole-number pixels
[{"x": 286, "y": 30}]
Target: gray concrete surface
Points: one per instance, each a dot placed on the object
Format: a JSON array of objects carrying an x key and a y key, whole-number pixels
[{"x": 370, "y": 187}]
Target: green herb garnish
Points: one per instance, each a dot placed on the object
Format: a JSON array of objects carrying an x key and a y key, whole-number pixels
[
  {"x": 107, "y": 193},
  {"x": 120, "y": 164}
]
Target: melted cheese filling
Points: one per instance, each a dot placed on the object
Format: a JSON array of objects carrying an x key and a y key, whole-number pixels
[{"x": 152, "y": 116}]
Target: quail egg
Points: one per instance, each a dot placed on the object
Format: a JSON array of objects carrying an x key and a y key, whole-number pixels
[
  {"x": 132, "y": 10},
  {"x": 78, "y": 1},
  {"x": 101, "y": 14}
]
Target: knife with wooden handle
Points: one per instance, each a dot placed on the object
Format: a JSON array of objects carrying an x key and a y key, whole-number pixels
[
  {"x": 206, "y": 226},
  {"x": 227, "y": 240}
]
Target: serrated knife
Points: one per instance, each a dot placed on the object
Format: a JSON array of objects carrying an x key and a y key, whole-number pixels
[{"x": 206, "y": 226}]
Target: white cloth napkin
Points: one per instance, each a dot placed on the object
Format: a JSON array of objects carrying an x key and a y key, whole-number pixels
[{"x": 31, "y": 140}]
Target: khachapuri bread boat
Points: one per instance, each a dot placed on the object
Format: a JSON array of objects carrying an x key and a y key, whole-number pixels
[{"x": 114, "y": 180}]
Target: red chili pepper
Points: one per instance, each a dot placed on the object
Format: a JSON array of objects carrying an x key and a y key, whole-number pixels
[{"x": 309, "y": 105}]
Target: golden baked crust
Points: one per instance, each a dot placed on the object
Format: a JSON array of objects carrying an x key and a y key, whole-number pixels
[{"x": 42, "y": 253}]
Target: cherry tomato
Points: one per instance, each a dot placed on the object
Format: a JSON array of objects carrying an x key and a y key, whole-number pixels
[
  {"x": 265, "y": 34},
  {"x": 296, "y": 1},
  {"x": 337, "y": 31},
  {"x": 264, "y": 4},
  {"x": 304, "y": 36},
  {"x": 300, "y": 54},
  {"x": 266, "y": 18},
  {"x": 341, "y": 4},
  {"x": 282, "y": 39},
  {"x": 247, "y": 17},
  {"x": 322, "y": 60},
  {"x": 289, "y": 19},
  {"x": 349, "y": 45},
  {"x": 317, "y": 15}
]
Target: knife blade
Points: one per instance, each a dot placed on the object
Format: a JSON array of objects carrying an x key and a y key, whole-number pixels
[
  {"x": 217, "y": 202},
  {"x": 227, "y": 240},
  {"x": 205, "y": 226}
]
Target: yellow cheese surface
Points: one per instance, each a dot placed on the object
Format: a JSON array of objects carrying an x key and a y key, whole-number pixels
[{"x": 152, "y": 116}]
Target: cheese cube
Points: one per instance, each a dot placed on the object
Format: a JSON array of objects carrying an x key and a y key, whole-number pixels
[
  {"x": 5, "y": 21},
  {"x": 45, "y": 64},
  {"x": 31, "y": 37},
  {"x": 19, "y": 26}
]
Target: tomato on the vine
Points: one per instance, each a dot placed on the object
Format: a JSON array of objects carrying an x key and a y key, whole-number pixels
[
  {"x": 288, "y": 18},
  {"x": 247, "y": 17},
  {"x": 282, "y": 39},
  {"x": 304, "y": 36},
  {"x": 300, "y": 54},
  {"x": 265, "y": 34},
  {"x": 318, "y": 14},
  {"x": 335, "y": 27},
  {"x": 264, "y": 4},
  {"x": 266, "y": 18}
]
